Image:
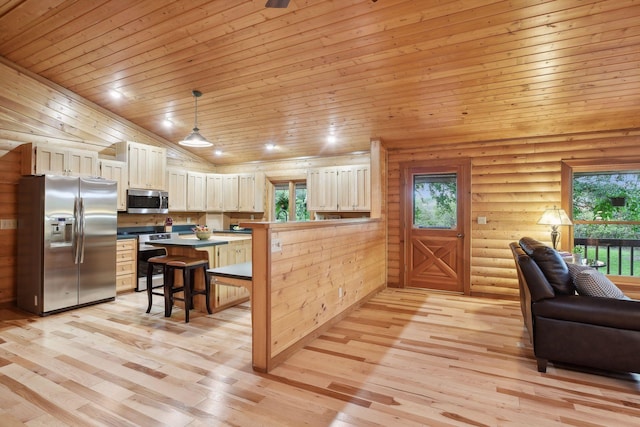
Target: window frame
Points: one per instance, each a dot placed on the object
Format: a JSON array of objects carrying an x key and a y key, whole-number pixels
[
  {"x": 292, "y": 197},
  {"x": 568, "y": 168}
]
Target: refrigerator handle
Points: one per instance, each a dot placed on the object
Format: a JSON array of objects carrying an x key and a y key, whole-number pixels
[
  {"x": 75, "y": 243},
  {"x": 82, "y": 235}
]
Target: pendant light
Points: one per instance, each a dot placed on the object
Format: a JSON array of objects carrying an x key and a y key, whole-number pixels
[{"x": 194, "y": 139}]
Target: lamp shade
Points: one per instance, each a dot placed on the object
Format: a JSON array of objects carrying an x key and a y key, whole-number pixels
[
  {"x": 554, "y": 216},
  {"x": 194, "y": 139}
]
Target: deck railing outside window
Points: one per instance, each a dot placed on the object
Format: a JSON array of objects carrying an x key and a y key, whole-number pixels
[{"x": 621, "y": 256}]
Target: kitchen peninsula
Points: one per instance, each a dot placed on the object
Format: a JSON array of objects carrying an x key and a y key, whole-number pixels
[{"x": 220, "y": 251}]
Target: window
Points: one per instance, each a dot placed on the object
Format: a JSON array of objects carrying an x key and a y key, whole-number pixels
[
  {"x": 287, "y": 206},
  {"x": 605, "y": 206},
  {"x": 435, "y": 201}
]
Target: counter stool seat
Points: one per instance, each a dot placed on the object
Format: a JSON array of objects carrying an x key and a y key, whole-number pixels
[
  {"x": 160, "y": 260},
  {"x": 189, "y": 266}
]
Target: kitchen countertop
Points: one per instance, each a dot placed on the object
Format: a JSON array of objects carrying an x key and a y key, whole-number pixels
[
  {"x": 242, "y": 271},
  {"x": 193, "y": 242}
]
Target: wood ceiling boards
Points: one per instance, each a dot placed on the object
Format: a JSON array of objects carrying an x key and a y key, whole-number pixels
[{"x": 410, "y": 72}]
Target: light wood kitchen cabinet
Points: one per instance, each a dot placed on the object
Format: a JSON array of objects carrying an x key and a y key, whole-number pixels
[
  {"x": 196, "y": 191},
  {"x": 322, "y": 189},
  {"x": 116, "y": 170},
  {"x": 334, "y": 189},
  {"x": 230, "y": 192},
  {"x": 147, "y": 164},
  {"x": 251, "y": 192},
  {"x": 126, "y": 262},
  {"x": 354, "y": 188},
  {"x": 177, "y": 189},
  {"x": 41, "y": 159},
  {"x": 215, "y": 193},
  {"x": 244, "y": 192}
]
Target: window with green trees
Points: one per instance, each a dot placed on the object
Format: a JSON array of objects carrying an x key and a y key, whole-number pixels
[
  {"x": 435, "y": 201},
  {"x": 606, "y": 217},
  {"x": 290, "y": 201}
]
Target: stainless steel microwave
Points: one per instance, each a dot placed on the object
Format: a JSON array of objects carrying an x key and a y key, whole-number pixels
[{"x": 147, "y": 201}]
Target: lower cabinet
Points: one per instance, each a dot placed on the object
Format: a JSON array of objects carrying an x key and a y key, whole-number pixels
[
  {"x": 126, "y": 260},
  {"x": 235, "y": 252}
]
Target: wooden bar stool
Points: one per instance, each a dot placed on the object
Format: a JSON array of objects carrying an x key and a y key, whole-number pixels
[
  {"x": 189, "y": 267},
  {"x": 162, "y": 261}
]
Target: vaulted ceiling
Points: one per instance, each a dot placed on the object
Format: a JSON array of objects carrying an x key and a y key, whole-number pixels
[{"x": 411, "y": 72}]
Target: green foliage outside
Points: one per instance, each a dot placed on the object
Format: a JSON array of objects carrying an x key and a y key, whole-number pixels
[
  {"x": 435, "y": 201},
  {"x": 282, "y": 204},
  {"x": 608, "y": 198}
]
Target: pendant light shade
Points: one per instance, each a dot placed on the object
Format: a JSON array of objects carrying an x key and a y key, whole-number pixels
[{"x": 194, "y": 139}]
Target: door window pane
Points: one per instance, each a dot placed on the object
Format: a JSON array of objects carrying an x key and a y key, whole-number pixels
[{"x": 435, "y": 201}]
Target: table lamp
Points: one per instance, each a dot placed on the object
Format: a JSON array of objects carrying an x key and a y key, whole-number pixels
[{"x": 554, "y": 217}]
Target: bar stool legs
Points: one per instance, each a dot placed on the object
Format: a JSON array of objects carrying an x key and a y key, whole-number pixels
[
  {"x": 189, "y": 266},
  {"x": 160, "y": 260}
]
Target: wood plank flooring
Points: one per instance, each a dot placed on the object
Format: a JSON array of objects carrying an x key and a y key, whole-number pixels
[{"x": 406, "y": 358}]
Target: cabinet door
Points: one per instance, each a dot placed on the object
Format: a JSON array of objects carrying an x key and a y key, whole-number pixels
[
  {"x": 221, "y": 256},
  {"x": 361, "y": 188},
  {"x": 138, "y": 165},
  {"x": 230, "y": 188},
  {"x": 251, "y": 192},
  {"x": 215, "y": 196},
  {"x": 322, "y": 188},
  {"x": 147, "y": 166},
  {"x": 116, "y": 171},
  {"x": 82, "y": 163},
  {"x": 354, "y": 188},
  {"x": 157, "y": 158},
  {"x": 196, "y": 192},
  {"x": 177, "y": 184},
  {"x": 50, "y": 160}
]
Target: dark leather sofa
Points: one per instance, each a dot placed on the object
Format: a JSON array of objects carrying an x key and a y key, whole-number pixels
[{"x": 594, "y": 332}]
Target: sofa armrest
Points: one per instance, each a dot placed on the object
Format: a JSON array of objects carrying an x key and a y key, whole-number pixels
[{"x": 609, "y": 312}]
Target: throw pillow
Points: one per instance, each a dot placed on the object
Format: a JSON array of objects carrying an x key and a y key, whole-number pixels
[
  {"x": 592, "y": 283},
  {"x": 575, "y": 269}
]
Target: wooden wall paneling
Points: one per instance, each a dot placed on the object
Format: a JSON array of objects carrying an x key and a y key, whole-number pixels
[
  {"x": 308, "y": 264},
  {"x": 512, "y": 183}
]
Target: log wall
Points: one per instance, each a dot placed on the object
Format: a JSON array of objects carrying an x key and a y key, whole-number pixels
[{"x": 513, "y": 182}]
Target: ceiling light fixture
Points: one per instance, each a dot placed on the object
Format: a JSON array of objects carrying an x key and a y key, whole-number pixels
[{"x": 194, "y": 139}]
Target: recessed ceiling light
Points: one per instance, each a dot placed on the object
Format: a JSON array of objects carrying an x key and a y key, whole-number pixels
[
  {"x": 115, "y": 94},
  {"x": 331, "y": 139},
  {"x": 270, "y": 146}
]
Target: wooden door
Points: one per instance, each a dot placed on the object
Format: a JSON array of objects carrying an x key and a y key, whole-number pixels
[{"x": 436, "y": 218}]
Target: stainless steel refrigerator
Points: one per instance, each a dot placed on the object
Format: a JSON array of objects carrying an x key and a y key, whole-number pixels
[{"x": 67, "y": 230}]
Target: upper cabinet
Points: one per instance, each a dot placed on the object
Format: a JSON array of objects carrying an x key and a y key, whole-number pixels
[
  {"x": 196, "y": 191},
  {"x": 147, "y": 164},
  {"x": 345, "y": 188},
  {"x": 230, "y": 192},
  {"x": 41, "y": 159},
  {"x": 354, "y": 188},
  {"x": 215, "y": 193},
  {"x": 322, "y": 189},
  {"x": 244, "y": 192},
  {"x": 251, "y": 192},
  {"x": 116, "y": 170},
  {"x": 177, "y": 189}
]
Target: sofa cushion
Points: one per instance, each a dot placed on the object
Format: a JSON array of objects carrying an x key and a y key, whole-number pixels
[
  {"x": 593, "y": 283},
  {"x": 551, "y": 263}
]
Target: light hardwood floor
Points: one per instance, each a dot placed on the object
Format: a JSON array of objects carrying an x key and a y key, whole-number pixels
[{"x": 406, "y": 358}]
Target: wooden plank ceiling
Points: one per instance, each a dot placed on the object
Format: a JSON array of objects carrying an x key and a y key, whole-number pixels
[{"x": 412, "y": 72}]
